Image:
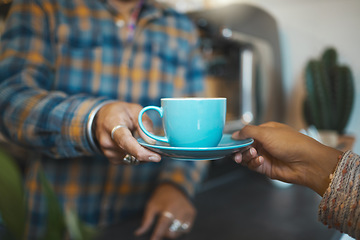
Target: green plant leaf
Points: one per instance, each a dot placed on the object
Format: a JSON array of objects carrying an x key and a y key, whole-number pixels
[
  {"x": 329, "y": 59},
  {"x": 77, "y": 229},
  {"x": 317, "y": 95},
  {"x": 329, "y": 62},
  {"x": 330, "y": 92},
  {"x": 55, "y": 222},
  {"x": 12, "y": 203},
  {"x": 348, "y": 97}
]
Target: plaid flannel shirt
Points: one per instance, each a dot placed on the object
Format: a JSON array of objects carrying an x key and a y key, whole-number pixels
[{"x": 59, "y": 60}]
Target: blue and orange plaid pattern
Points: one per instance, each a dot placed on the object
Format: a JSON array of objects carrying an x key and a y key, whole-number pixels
[{"x": 58, "y": 60}]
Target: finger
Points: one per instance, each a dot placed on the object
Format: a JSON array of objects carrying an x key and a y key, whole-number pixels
[
  {"x": 147, "y": 222},
  {"x": 149, "y": 127},
  {"x": 249, "y": 155},
  {"x": 185, "y": 219},
  {"x": 173, "y": 234},
  {"x": 273, "y": 124},
  {"x": 124, "y": 138},
  {"x": 161, "y": 228},
  {"x": 262, "y": 166},
  {"x": 181, "y": 230},
  {"x": 249, "y": 131},
  {"x": 238, "y": 157},
  {"x": 114, "y": 154},
  {"x": 255, "y": 163},
  {"x": 188, "y": 222}
]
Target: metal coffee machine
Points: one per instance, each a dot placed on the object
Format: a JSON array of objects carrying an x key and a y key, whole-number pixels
[{"x": 240, "y": 45}]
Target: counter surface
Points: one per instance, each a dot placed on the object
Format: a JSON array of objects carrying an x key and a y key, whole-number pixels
[{"x": 242, "y": 204}]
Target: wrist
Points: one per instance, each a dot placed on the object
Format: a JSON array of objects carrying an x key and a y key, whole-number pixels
[
  {"x": 325, "y": 164},
  {"x": 91, "y": 125}
]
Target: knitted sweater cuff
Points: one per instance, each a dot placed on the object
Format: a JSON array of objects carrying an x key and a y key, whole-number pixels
[{"x": 339, "y": 205}]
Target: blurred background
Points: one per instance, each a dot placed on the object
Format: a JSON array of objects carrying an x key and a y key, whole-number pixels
[
  {"x": 304, "y": 29},
  {"x": 256, "y": 54}
]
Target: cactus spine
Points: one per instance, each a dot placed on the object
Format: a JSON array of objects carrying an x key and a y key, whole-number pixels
[{"x": 330, "y": 93}]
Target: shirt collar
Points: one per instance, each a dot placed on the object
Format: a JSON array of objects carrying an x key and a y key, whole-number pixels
[{"x": 151, "y": 9}]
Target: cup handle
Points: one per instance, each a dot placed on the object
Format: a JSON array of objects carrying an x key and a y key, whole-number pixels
[{"x": 153, "y": 136}]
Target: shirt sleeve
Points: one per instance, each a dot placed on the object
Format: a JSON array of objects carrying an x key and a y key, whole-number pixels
[
  {"x": 339, "y": 207},
  {"x": 32, "y": 114}
]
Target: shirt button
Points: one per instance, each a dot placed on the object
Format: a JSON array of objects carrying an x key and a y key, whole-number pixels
[{"x": 120, "y": 23}]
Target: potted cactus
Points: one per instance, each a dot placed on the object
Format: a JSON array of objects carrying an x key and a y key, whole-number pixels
[{"x": 330, "y": 95}]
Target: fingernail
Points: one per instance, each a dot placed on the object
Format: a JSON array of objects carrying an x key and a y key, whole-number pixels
[
  {"x": 238, "y": 158},
  {"x": 261, "y": 160},
  {"x": 155, "y": 158},
  {"x": 252, "y": 152}
]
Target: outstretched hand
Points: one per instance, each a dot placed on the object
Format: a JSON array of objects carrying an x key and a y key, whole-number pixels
[{"x": 282, "y": 153}]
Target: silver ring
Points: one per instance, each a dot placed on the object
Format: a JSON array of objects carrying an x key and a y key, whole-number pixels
[
  {"x": 168, "y": 214},
  {"x": 185, "y": 226},
  {"x": 116, "y": 128},
  {"x": 178, "y": 226},
  {"x": 130, "y": 160},
  {"x": 175, "y": 226}
]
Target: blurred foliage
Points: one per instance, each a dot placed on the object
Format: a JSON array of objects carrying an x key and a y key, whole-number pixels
[
  {"x": 12, "y": 204},
  {"x": 14, "y": 212}
]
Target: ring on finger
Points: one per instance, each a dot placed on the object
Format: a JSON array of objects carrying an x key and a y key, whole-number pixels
[
  {"x": 185, "y": 226},
  {"x": 168, "y": 215},
  {"x": 178, "y": 226},
  {"x": 116, "y": 128},
  {"x": 175, "y": 226},
  {"x": 130, "y": 160}
]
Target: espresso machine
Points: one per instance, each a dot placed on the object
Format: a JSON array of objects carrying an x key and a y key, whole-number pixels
[{"x": 241, "y": 48}]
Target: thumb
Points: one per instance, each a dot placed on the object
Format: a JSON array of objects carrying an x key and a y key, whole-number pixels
[{"x": 249, "y": 131}]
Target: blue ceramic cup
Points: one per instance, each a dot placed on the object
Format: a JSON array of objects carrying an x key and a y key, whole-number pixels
[{"x": 189, "y": 122}]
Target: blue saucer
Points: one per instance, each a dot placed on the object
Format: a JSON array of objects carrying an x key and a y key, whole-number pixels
[{"x": 226, "y": 147}]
